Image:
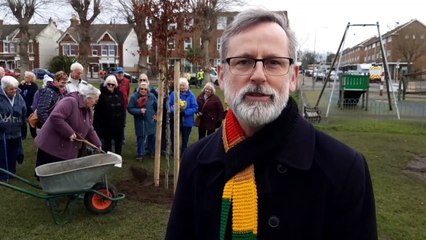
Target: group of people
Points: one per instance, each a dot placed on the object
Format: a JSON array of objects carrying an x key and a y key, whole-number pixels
[{"x": 80, "y": 110}]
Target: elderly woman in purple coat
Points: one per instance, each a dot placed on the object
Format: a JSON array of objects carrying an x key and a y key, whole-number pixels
[{"x": 72, "y": 117}]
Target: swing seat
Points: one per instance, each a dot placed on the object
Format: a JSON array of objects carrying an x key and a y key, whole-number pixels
[{"x": 312, "y": 114}]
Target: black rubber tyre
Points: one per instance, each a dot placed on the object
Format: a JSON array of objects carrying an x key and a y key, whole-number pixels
[{"x": 96, "y": 203}]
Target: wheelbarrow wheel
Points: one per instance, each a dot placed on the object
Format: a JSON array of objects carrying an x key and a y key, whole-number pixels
[{"x": 96, "y": 203}]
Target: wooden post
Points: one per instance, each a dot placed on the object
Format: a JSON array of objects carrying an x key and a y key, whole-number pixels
[
  {"x": 176, "y": 133},
  {"x": 159, "y": 115}
]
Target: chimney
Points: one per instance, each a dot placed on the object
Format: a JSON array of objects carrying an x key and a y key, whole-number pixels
[
  {"x": 1, "y": 22},
  {"x": 74, "y": 21}
]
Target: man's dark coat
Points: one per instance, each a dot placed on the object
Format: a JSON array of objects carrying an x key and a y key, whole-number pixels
[{"x": 310, "y": 186}]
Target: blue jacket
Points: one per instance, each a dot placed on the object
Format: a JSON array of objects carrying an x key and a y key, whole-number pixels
[
  {"x": 144, "y": 124},
  {"x": 310, "y": 186},
  {"x": 190, "y": 110},
  {"x": 27, "y": 92},
  {"x": 12, "y": 118},
  {"x": 47, "y": 98}
]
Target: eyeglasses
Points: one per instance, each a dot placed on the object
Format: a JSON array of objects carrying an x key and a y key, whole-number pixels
[
  {"x": 145, "y": 89},
  {"x": 143, "y": 80},
  {"x": 110, "y": 84},
  {"x": 274, "y": 66}
]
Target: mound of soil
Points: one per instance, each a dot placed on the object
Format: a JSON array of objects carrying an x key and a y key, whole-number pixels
[
  {"x": 141, "y": 188},
  {"x": 417, "y": 167}
]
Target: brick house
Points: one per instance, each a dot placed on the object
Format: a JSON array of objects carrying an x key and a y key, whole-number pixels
[
  {"x": 111, "y": 45},
  {"x": 410, "y": 34},
  {"x": 41, "y": 49}
]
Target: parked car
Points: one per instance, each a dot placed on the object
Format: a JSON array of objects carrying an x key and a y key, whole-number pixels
[
  {"x": 333, "y": 76},
  {"x": 319, "y": 76},
  {"x": 14, "y": 73},
  {"x": 40, "y": 72},
  {"x": 395, "y": 87},
  {"x": 213, "y": 76}
]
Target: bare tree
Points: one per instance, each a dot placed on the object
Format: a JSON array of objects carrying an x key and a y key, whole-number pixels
[
  {"x": 136, "y": 14},
  {"x": 159, "y": 15},
  {"x": 82, "y": 8},
  {"x": 411, "y": 47},
  {"x": 205, "y": 13},
  {"x": 23, "y": 11}
]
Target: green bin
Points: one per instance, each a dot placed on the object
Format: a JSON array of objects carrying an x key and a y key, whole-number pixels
[{"x": 355, "y": 83}]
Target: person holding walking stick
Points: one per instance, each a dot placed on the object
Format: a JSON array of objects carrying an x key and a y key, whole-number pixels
[{"x": 12, "y": 118}]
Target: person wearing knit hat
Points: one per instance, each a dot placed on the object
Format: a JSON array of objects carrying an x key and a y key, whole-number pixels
[{"x": 46, "y": 80}]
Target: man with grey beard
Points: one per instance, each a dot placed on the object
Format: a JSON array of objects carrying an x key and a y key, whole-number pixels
[{"x": 268, "y": 173}]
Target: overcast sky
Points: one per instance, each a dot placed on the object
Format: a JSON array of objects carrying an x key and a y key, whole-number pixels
[{"x": 320, "y": 24}]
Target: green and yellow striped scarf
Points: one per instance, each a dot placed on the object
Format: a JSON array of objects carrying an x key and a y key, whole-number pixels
[{"x": 240, "y": 191}]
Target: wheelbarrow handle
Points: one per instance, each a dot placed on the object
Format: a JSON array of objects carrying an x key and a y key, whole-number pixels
[{"x": 83, "y": 140}]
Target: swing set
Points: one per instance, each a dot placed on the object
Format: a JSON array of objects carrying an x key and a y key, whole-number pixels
[{"x": 355, "y": 86}]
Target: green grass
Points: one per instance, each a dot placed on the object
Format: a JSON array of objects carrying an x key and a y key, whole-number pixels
[{"x": 387, "y": 145}]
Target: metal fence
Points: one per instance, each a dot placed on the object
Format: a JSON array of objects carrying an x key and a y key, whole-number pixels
[{"x": 374, "y": 106}]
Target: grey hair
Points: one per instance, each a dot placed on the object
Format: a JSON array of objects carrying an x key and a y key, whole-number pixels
[
  {"x": 30, "y": 74},
  {"x": 253, "y": 17},
  {"x": 110, "y": 79},
  {"x": 89, "y": 91},
  {"x": 211, "y": 86},
  {"x": 183, "y": 81},
  {"x": 8, "y": 81},
  {"x": 144, "y": 84},
  {"x": 76, "y": 66}
]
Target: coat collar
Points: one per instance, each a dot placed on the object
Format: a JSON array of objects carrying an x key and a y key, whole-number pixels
[{"x": 292, "y": 145}]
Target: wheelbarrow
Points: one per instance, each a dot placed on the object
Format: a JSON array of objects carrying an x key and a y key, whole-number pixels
[{"x": 63, "y": 183}]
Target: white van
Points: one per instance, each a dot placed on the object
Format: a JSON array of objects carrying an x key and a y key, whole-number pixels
[{"x": 213, "y": 76}]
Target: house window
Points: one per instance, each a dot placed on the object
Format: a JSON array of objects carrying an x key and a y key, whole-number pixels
[
  {"x": 104, "y": 50},
  {"x": 12, "y": 48},
  {"x": 189, "y": 23},
  {"x": 9, "y": 47},
  {"x": 94, "y": 52},
  {"x": 221, "y": 23},
  {"x": 172, "y": 26},
  {"x": 108, "y": 50},
  {"x": 5, "y": 47},
  {"x": 218, "y": 44},
  {"x": 171, "y": 44},
  {"x": 390, "y": 39},
  {"x": 188, "y": 43},
  {"x": 30, "y": 48},
  {"x": 69, "y": 50},
  {"x": 111, "y": 51}
]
